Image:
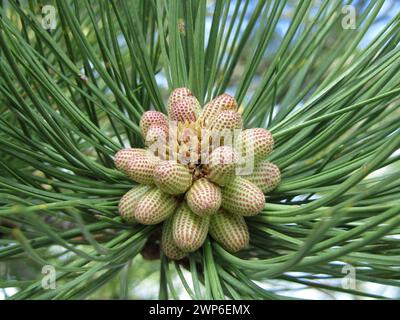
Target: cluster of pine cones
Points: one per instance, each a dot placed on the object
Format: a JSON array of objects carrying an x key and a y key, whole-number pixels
[{"x": 200, "y": 194}]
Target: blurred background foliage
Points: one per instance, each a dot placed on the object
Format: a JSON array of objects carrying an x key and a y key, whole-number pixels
[{"x": 71, "y": 96}]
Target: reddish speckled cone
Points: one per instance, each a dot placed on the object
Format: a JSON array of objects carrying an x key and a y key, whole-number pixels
[
  {"x": 193, "y": 192},
  {"x": 129, "y": 201},
  {"x": 186, "y": 109},
  {"x": 153, "y": 118},
  {"x": 259, "y": 139},
  {"x": 242, "y": 197},
  {"x": 204, "y": 198},
  {"x": 154, "y": 207},
  {"x": 172, "y": 177},
  {"x": 229, "y": 230},
  {"x": 168, "y": 245},
  {"x": 222, "y": 165},
  {"x": 228, "y": 120},
  {"x": 123, "y": 156},
  {"x": 156, "y": 133},
  {"x": 176, "y": 95},
  {"x": 189, "y": 229},
  {"x": 141, "y": 168},
  {"x": 266, "y": 176},
  {"x": 215, "y": 107}
]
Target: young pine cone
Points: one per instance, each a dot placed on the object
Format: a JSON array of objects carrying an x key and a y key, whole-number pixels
[{"x": 191, "y": 185}]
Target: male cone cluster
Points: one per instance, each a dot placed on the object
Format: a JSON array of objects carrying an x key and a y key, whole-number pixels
[{"x": 194, "y": 197}]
